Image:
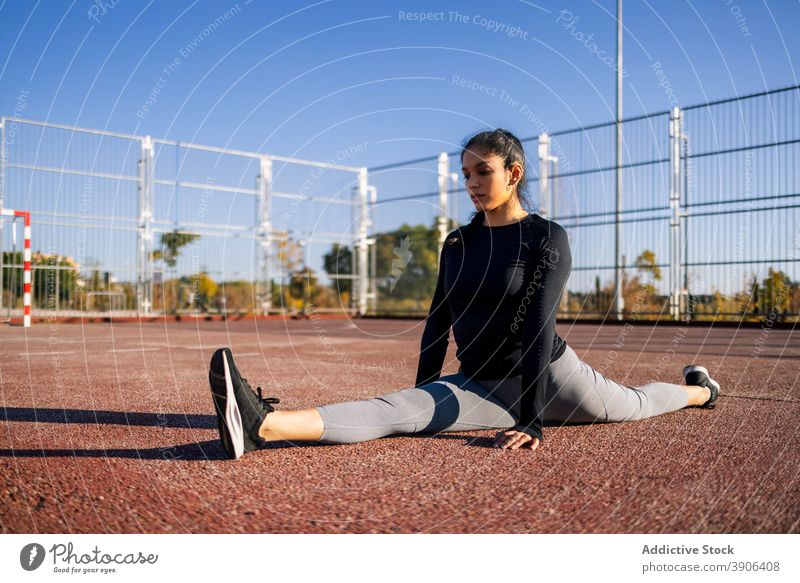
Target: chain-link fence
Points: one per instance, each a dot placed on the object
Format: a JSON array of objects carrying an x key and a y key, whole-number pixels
[
  {"x": 707, "y": 220},
  {"x": 129, "y": 225}
]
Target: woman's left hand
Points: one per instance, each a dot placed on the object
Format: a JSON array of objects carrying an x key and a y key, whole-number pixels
[{"x": 511, "y": 439}]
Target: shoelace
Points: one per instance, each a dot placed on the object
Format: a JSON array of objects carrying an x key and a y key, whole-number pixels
[
  {"x": 263, "y": 401},
  {"x": 268, "y": 399}
]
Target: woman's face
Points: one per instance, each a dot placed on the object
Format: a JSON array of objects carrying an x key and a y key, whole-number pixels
[{"x": 487, "y": 180}]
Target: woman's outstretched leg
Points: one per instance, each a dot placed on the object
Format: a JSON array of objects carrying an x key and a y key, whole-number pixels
[
  {"x": 579, "y": 393},
  {"x": 246, "y": 420},
  {"x": 451, "y": 403}
]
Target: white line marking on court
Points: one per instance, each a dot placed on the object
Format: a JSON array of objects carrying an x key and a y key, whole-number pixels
[
  {"x": 134, "y": 349},
  {"x": 44, "y": 353},
  {"x": 250, "y": 354}
]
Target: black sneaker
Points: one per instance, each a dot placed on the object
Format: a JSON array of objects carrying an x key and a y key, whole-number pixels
[
  {"x": 240, "y": 412},
  {"x": 698, "y": 375}
]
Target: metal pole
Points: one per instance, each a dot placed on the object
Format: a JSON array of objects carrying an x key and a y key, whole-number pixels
[
  {"x": 264, "y": 233},
  {"x": 144, "y": 232},
  {"x": 444, "y": 178},
  {"x": 544, "y": 171},
  {"x": 618, "y": 298},
  {"x": 675, "y": 136},
  {"x": 12, "y": 296},
  {"x": 685, "y": 226},
  {"x": 353, "y": 247},
  {"x": 2, "y": 163},
  {"x": 140, "y": 246},
  {"x": 454, "y": 203},
  {"x": 554, "y": 204},
  {"x": 549, "y": 199},
  {"x": 26, "y": 273},
  {"x": 373, "y": 242},
  {"x": 363, "y": 225},
  {"x": 547, "y": 193},
  {"x": 2, "y": 196}
]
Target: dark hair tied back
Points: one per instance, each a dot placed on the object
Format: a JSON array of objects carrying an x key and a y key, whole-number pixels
[{"x": 507, "y": 146}]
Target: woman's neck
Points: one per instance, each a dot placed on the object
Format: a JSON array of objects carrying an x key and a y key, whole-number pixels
[{"x": 503, "y": 216}]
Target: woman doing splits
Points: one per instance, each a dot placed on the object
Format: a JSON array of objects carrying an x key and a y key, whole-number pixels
[{"x": 500, "y": 283}]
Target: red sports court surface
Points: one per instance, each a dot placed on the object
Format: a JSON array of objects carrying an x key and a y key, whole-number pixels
[{"x": 110, "y": 428}]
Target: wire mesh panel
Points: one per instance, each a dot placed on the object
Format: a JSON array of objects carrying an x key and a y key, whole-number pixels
[
  {"x": 726, "y": 244},
  {"x": 125, "y": 223},
  {"x": 743, "y": 190},
  {"x": 243, "y": 233},
  {"x": 317, "y": 212},
  {"x": 80, "y": 187},
  {"x": 11, "y": 273},
  {"x": 204, "y": 204},
  {"x": 129, "y": 225},
  {"x": 584, "y": 203},
  {"x": 409, "y": 212}
]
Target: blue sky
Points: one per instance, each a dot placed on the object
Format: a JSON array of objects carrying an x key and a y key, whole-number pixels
[
  {"x": 97, "y": 70},
  {"x": 381, "y": 81}
]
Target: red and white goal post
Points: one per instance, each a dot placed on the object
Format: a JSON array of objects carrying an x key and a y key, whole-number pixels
[{"x": 26, "y": 297}]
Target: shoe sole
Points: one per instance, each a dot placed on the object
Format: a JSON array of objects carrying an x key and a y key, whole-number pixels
[
  {"x": 233, "y": 418},
  {"x": 228, "y": 417}
]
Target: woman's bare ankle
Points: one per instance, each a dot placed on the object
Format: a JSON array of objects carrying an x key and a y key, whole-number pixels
[
  {"x": 297, "y": 425},
  {"x": 698, "y": 395}
]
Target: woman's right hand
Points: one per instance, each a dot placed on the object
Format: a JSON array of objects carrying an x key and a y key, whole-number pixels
[{"x": 511, "y": 439}]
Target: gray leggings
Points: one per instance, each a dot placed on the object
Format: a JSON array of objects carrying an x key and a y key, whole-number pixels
[{"x": 576, "y": 393}]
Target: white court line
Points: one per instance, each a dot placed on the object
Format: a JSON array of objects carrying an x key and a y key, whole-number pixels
[
  {"x": 134, "y": 349},
  {"x": 44, "y": 353},
  {"x": 211, "y": 348}
]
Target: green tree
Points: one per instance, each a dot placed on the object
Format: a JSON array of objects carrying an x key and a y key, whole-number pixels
[
  {"x": 204, "y": 290},
  {"x": 302, "y": 286},
  {"x": 408, "y": 265},
  {"x": 236, "y": 297},
  {"x": 54, "y": 279},
  {"x": 639, "y": 292},
  {"x": 774, "y": 294},
  {"x": 171, "y": 244},
  {"x": 339, "y": 262},
  {"x": 646, "y": 264},
  {"x": 290, "y": 259}
]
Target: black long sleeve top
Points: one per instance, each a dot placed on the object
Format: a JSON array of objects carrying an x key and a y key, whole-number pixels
[{"x": 500, "y": 288}]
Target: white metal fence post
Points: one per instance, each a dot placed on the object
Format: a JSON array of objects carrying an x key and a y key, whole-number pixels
[
  {"x": 264, "y": 234},
  {"x": 675, "y": 182},
  {"x": 547, "y": 192},
  {"x": 144, "y": 231},
  {"x": 548, "y": 196},
  {"x": 686, "y": 307},
  {"x": 363, "y": 225},
  {"x": 444, "y": 179},
  {"x": 619, "y": 264},
  {"x": 544, "y": 172},
  {"x": 2, "y": 196},
  {"x": 373, "y": 242}
]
